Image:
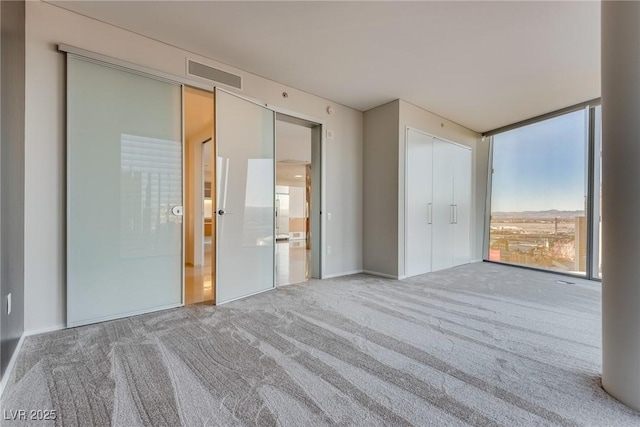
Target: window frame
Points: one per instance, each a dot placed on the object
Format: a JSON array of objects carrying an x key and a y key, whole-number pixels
[{"x": 594, "y": 150}]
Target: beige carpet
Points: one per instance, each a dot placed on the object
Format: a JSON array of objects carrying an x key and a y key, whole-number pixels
[{"x": 482, "y": 345}]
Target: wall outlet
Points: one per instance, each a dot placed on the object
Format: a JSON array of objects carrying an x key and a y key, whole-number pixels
[
  {"x": 328, "y": 250},
  {"x": 9, "y": 304}
]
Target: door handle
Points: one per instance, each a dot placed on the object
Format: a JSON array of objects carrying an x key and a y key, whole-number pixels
[
  {"x": 429, "y": 213},
  {"x": 452, "y": 215},
  {"x": 177, "y": 210},
  {"x": 455, "y": 214},
  {"x": 222, "y": 212}
]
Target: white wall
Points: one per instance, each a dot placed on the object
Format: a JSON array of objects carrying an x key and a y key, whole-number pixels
[{"x": 45, "y": 152}]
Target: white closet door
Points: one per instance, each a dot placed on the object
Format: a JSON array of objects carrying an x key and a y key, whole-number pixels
[
  {"x": 124, "y": 195},
  {"x": 443, "y": 210},
  {"x": 462, "y": 205},
  {"x": 419, "y": 203}
]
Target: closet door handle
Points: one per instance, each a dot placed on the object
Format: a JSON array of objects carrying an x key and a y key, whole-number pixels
[
  {"x": 452, "y": 215},
  {"x": 455, "y": 214},
  {"x": 429, "y": 213}
]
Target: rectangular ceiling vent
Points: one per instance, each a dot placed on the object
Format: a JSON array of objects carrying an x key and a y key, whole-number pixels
[{"x": 204, "y": 71}]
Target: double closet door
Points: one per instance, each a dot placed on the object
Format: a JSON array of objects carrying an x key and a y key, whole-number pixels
[
  {"x": 438, "y": 204},
  {"x": 125, "y": 193},
  {"x": 452, "y": 203}
]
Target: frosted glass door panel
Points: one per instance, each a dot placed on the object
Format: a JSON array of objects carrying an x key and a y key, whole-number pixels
[
  {"x": 124, "y": 175},
  {"x": 246, "y": 194},
  {"x": 419, "y": 202}
]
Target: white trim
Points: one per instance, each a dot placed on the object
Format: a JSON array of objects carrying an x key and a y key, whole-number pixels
[
  {"x": 55, "y": 328},
  {"x": 376, "y": 273},
  {"x": 12, "y": 363},
  {"x": 345, "y": 273},
  {"x": 246, "y": 296},
  {"x": 473, "y": 261},
  {"x": 121, "y": 316}
]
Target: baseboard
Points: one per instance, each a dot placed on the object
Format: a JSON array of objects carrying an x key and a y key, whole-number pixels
[
  {"x": 346, "y": 273},
  {"x": 45, "y": 330},
  {"x": 386, "y": 276},
  {"x": 473, "y": 261},
  {"x": 12, "y": 362},
  {"x": 122, "y": 316},
  {"x": 245, "y": 296}
]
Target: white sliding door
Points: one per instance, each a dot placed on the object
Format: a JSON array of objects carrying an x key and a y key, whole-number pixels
[
  {"x": 245, "y": 139},
  {"x": 419, "y": 202},
  {"x": 124, "y": 177}
]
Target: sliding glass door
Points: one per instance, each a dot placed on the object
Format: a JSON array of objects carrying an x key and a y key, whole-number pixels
[
  {"x": 124, "y": 177},
  {"x": 245, "y": 139}
]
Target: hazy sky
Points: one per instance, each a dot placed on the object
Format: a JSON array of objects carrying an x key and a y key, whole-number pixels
[{"x": 541, "y": 166}]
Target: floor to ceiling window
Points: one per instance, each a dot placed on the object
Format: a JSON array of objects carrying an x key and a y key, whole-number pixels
[{"x": 539, "y": 195}]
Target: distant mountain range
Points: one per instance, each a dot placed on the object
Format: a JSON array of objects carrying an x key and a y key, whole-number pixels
[{"x": 552, "y": 213}]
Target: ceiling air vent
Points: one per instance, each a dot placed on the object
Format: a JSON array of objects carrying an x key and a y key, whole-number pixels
[{"x": 210, "y": 73}]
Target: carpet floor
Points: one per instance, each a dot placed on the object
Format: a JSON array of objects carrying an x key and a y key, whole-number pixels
[{"x": 480, "y": 345}]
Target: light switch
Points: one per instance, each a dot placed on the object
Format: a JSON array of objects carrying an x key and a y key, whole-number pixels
[
  {"x": 9, "y": 304},
  {"x": 328, "y": 216}
]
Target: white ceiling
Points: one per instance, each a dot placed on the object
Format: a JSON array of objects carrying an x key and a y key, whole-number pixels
[{"x": 481, "y": 64}]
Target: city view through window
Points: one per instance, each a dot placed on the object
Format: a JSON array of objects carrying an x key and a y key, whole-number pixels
[{"x": 539, "y": 195}]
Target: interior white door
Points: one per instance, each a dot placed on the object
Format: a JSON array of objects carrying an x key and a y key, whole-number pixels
[
  {"x": 462, "y": 205},
  {"x": 124, "y": 196},
  {"x": 443, "y": 205},
  {"x": 419, "y": 204},
  {"x": 245, "y": 141}
]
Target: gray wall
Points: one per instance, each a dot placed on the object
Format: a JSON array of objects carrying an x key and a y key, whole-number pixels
[
  {"x": 380, "y": 197},
  {"x": 12, "y": 106}
]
